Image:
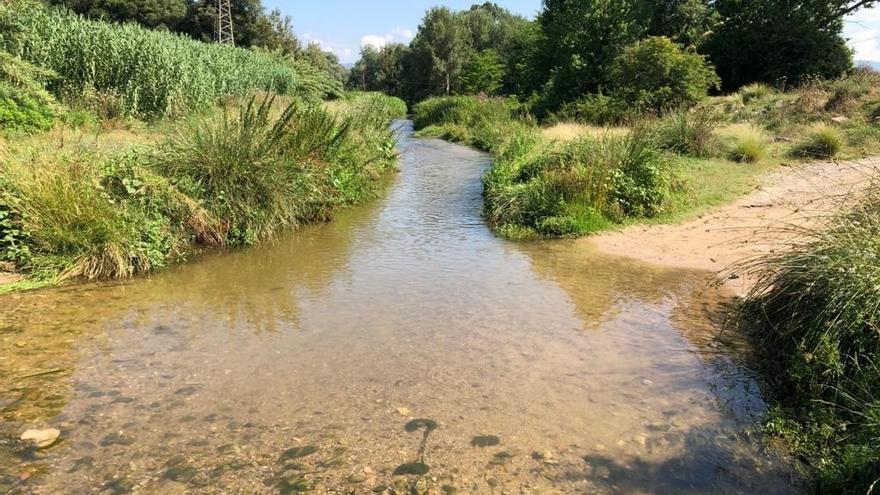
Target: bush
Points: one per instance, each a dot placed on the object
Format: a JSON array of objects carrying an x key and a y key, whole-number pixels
[
  {"x": 748, "y": 146},
  {"x": 259, "y": 172},
  {"x": 817, "y": 309},
  {"x": 656, "y": 74},
  {"x": 687, "y": 133},
  {"x": 154, "y": 73},
  {"x": 25, "y": 105},
  {"x": 822, "y": 141},
  {"x": 577, "y": 189},
  {"x": 596, "y": 109}
]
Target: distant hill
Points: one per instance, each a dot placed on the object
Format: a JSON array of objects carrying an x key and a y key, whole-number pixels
[{"x": 874, "y": 64}]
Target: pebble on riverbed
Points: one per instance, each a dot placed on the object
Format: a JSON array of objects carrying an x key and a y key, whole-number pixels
[{"x": 41, "y": 438}]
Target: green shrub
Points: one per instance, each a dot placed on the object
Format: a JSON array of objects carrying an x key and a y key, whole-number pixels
[
  {"x": 154, "y": 73},
  {"x": 579, "y": 188},
  {"x": 596, "y": 109},
  {"x": 817, "y": 310},
  {"x": 687, "y": 133},
  {"x": 656, "y": 74},
  {"x": 748, "y": 146},
  {"x": 822, "y": 141},
  {"x": 25, "y": 105}
]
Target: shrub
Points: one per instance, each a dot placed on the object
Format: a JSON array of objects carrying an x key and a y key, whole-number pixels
[
  {"x": 748, "y": 146},
  {"x": 817, "y": 310},
  {"x": 25, "y": 105},
  {"x": 822, "y": 141},
  {"x": 578, "y": 188},
  {"x": 259, "y": 171},
  {"x": 656, "y": 74},
  {"x": 595, "y": 109},
  {"x": 687, "y": 133}
]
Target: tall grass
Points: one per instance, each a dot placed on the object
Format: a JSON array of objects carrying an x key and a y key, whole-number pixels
[
  {"x": 817, "y": 310},
  {"x": 153, "y": 73},
  {"x": 230, "y": 177}
]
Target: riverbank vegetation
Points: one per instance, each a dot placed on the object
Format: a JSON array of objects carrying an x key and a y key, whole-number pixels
[
  {"x": 124, "y": 149},
  {"x": 815, "y": 311},
  {"x": 573, "y": 175}
]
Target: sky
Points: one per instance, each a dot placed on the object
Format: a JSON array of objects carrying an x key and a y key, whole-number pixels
[{"x": 344, "y": 26}]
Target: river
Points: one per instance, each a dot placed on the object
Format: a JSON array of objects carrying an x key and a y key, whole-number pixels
[{"x": 299, "y": 365}]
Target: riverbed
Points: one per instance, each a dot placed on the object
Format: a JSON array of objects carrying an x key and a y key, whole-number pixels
[{"x": 401, "y": 348}]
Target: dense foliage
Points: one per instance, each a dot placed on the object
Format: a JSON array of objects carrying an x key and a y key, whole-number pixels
[
  {"x": 24, "y": 103},
  {"x": 655, "y": 74},
  {"x": 195, "y": 18},
  {"x": 150, "y": 73}
]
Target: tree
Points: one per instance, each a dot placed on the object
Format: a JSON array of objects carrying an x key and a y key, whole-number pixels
[
  {"x": 581, "y": 39},
  {"x": 656, "y": 74},
  {"x": 483, "y": 74},
  {"x": 441, "y": 48},
  {"x": 780, "y": 41},
  {"x": 686, "y": 22},
  {"x": 150, "y": 13},
  {"x": 275, "y": 32}
]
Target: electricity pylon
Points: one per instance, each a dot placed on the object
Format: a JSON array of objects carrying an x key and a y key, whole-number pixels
[{"x": 224, "y": 22}]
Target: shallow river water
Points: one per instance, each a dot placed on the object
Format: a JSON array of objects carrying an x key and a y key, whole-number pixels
[{"x": 299, "y": 365}]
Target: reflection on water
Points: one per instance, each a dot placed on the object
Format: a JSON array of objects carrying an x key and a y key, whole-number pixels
[{"x": 400, "y": 349}]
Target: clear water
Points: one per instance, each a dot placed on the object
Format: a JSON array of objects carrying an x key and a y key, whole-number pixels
[{"x": 295, "y": 366}]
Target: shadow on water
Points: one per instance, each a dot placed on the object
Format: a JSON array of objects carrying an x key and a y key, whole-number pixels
[{"x": 306, "y": 365}]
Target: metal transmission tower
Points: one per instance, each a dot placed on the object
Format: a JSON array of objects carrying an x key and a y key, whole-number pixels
[{"x": 224, "y": 22}]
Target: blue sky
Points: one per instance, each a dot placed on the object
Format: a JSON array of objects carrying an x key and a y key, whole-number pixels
[{"x": 343, "y": 26}]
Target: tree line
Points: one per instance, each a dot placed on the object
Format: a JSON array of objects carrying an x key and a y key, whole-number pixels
[{"x": 573, "y": 47}]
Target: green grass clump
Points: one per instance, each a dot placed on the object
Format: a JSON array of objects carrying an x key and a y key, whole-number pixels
[
  {"x": 817, "y": 308},
  {"x": 153, "y": 73},
  {"x": 64, "y": 223},
  {"x": 755, "y": 92},
  {"x": 748, "y": 146},
  {"x": 260, "y": 168},
  {"x": 822, "y": 141},
  {"x": 687, "y": 132}
]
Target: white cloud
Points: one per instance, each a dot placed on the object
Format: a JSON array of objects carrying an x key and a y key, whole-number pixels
[
  {"x": 345, "y": 54},
  {"x": 397, "y": 35},
  {"x": 376, "y": 41},
  {"x": 866, "y": 44}
]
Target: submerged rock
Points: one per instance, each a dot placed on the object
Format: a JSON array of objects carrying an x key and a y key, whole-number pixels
[
  {"x": 41, "y": 438},
  {"x": 485, "y": 441}
]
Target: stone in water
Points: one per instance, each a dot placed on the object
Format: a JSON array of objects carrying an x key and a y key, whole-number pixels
[{"x": 41, "y": 438}]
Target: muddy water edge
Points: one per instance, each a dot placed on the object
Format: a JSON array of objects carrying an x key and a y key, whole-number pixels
[{"x": 401, "y": 348}]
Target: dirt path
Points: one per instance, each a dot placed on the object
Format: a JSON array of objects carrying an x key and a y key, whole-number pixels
[{"x": 748, "y": 226}]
